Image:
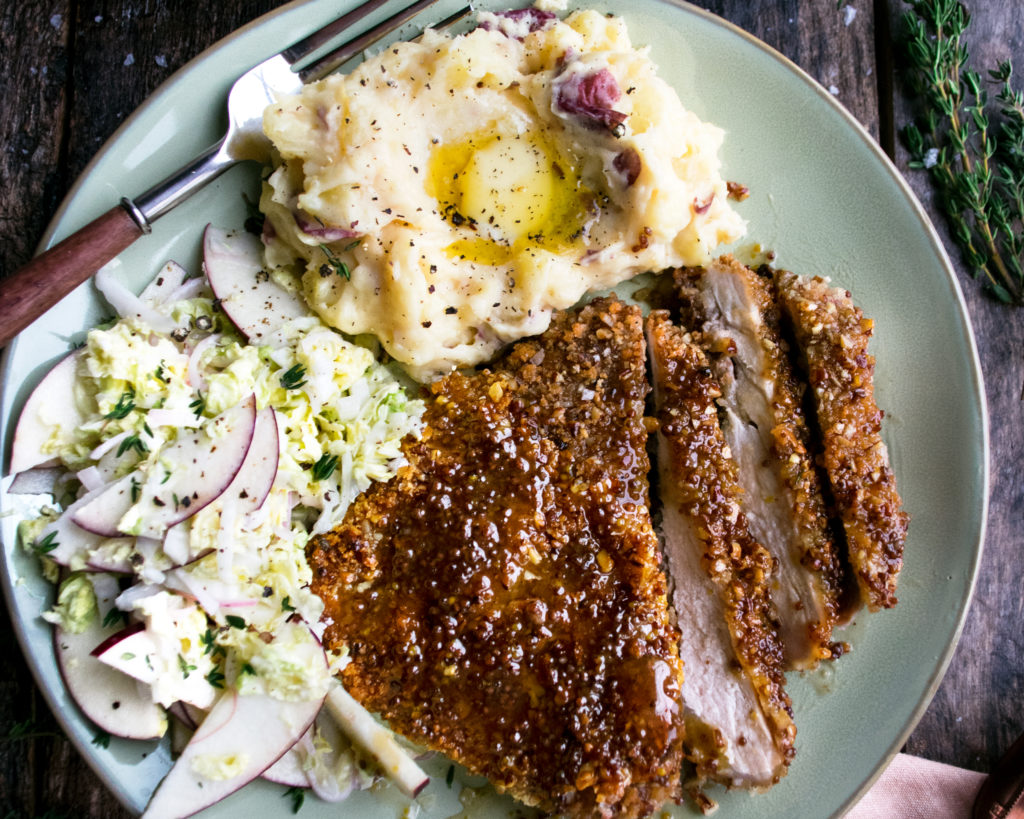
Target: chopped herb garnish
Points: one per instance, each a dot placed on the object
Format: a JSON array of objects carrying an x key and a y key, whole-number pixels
[
  {"x": 167, "y": 477},
  {"x": 136, "y": 489},
  {"x": 186, "y": 667},
  {"x": 159, "y": 375},
  {"x": 125, "y": 404},
  {"x": 198, "y": 406},
  {"x": 20, "y": 729},
  {"x": 293, "y": 378},
  {"x": 286, "y": 604},
  {"x": 146, "y": 429},
  {"x": 248, "y": 669},
  {"x": 352, "y": 245},
  {"x": 298, "y": 795},
  {"x": 207, "y": 641},
  {"x": 46, "y": 544},
  {"x": 215, "y": 678},
  {"x": 112, "y": 617},
  {"x": 127, "y": 656},
  {"x": 235, "y": 621},
  {"x": 450, "y": 776},
  {"x": 132, "y": 442},
  {"x": 324, "y": 468},
  {"x": 101, "y": 739},
  {"x": 339, "y": 266}
]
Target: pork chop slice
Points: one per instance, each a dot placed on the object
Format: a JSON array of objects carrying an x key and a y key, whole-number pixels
[
  {"x": 764, "y": 426},
  {"x": 739, "y": 727},
  {"x": 501, "y": 599},
  {"x": 832, "y": 336}
]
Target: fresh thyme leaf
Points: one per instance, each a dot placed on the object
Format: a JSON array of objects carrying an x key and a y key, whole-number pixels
[
  {"x": 207, "y": 641},
  {"x": 112, "y": 618},
  {"x": 132, "y": 442},
  {"x": 339, "y": 266},
  {"x": 324, "y": 467},
  {"x": 972, "y": 148},
  {"x": 45, "y": 545},
  {"x": 298, "y": 795},
  {"x": 185, "y": 666},
  {"x": 136, "y": 489},
  {"x": 286, "y": 604},
  {"x": 450, "y": 776},
  {"x": 198, "y": 406},
  {"x": 294, "y": 377},
  {"x": 101, "y": 739},
  {"x": 235, "y": 621},
  {"x": 248, "y": 669},
  {"x": 125, "y": 404},
  {"x": 215, "y": 678},
  {"x": 159, "y": 375}
]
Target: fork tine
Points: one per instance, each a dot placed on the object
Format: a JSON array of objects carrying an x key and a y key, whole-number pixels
[
  {"x": 328, "y": 63},
  {"x": 306, "y": 46}
]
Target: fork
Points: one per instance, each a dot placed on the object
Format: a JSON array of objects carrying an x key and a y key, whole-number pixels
[{"x": 49, "y": 277}]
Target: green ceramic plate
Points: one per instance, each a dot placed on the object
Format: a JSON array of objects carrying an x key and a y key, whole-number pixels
[{"x": 823, "y": 197}]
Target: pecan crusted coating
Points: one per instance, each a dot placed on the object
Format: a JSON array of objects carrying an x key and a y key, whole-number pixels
[
  {"x": 764, "y": 425},
  {"x": 501, "y": 598},
  {"x": 706, "y": 493},
  {"x": 833, "y": 335}
]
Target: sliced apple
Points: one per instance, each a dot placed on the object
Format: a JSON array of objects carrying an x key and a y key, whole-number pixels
[
  {"x": 288, "y": 770},
  {"x": 255, "y": 303},
  {"x": 50, "y": 407},
  {"x": 106, "y": 507},
  {"x": 359, "y": 725},
  {"x": 330, "y": 780},
  {"x": 113, "y": 701},
  {"x": 255, "y": 478},
  {"x": 189, "y": 473},
  {"x": 39, "y": 480},
  {"x": 130, "y": 651},
  {"x": 241, "y": 737},
  {"x": 171, "y": 276}
]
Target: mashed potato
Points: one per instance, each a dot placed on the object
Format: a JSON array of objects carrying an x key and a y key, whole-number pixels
[{"x": 450, "y": 193}]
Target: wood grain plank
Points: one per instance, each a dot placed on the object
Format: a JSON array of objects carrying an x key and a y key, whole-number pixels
[
  {"x": 976, "y": 713},
  {"x": 835, "y": 45}
]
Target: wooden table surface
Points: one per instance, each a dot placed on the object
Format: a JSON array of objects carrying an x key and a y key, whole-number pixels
[{"x": 74, "y": 69}]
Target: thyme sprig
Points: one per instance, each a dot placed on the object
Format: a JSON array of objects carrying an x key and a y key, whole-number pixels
[{"x": 973, "y": 150}]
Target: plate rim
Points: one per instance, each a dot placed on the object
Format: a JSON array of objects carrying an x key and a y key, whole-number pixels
[{"x": 978, "y": 394}]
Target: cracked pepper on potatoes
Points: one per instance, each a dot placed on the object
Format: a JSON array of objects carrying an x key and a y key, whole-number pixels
[{"x": 449, "y": 193}]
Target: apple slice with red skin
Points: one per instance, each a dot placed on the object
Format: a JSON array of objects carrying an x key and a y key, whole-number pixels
[
  {"x": 115, "y": 702},
  {"x": 50, "y": 404},
  {"x": 248, "y": 731},
  {"x": 255, "y": 303},
  {"x": 202, "y": 467},
  {"x": 288, "y": 770},
  {"x": 255, "y": 478}
]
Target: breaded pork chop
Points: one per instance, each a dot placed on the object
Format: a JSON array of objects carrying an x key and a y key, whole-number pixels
[
  {"x": 502, "y": 598},
  {"x": 738, "y": 718}
]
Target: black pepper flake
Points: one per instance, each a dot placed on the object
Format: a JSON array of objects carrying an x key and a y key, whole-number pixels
[
  {"x": 431, "y": 289},
  {"x": 451, "y": 311},
  {"x": 426, "y": 323}
]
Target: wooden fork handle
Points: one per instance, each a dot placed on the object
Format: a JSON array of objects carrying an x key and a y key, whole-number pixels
[{"x": 52, "y": 275}]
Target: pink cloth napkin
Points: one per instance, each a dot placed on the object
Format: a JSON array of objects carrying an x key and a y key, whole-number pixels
[{"x": 915, "y": 788}]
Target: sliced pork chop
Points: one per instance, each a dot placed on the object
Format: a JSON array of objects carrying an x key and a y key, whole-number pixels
[
  {"x": 501, "y": 599},
  {"x": 832, "y": 336},
  {"x": 739, "y": 726},
  {"x": 764, "y": 426}
]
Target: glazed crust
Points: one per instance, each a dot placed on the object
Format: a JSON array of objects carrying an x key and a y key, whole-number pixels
[
  {"x": 739, "y": 317},
  {"x": 832, "y": 335},
  {"x": 502, "y": 599},
  {"x": 706, "y": 492}
]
